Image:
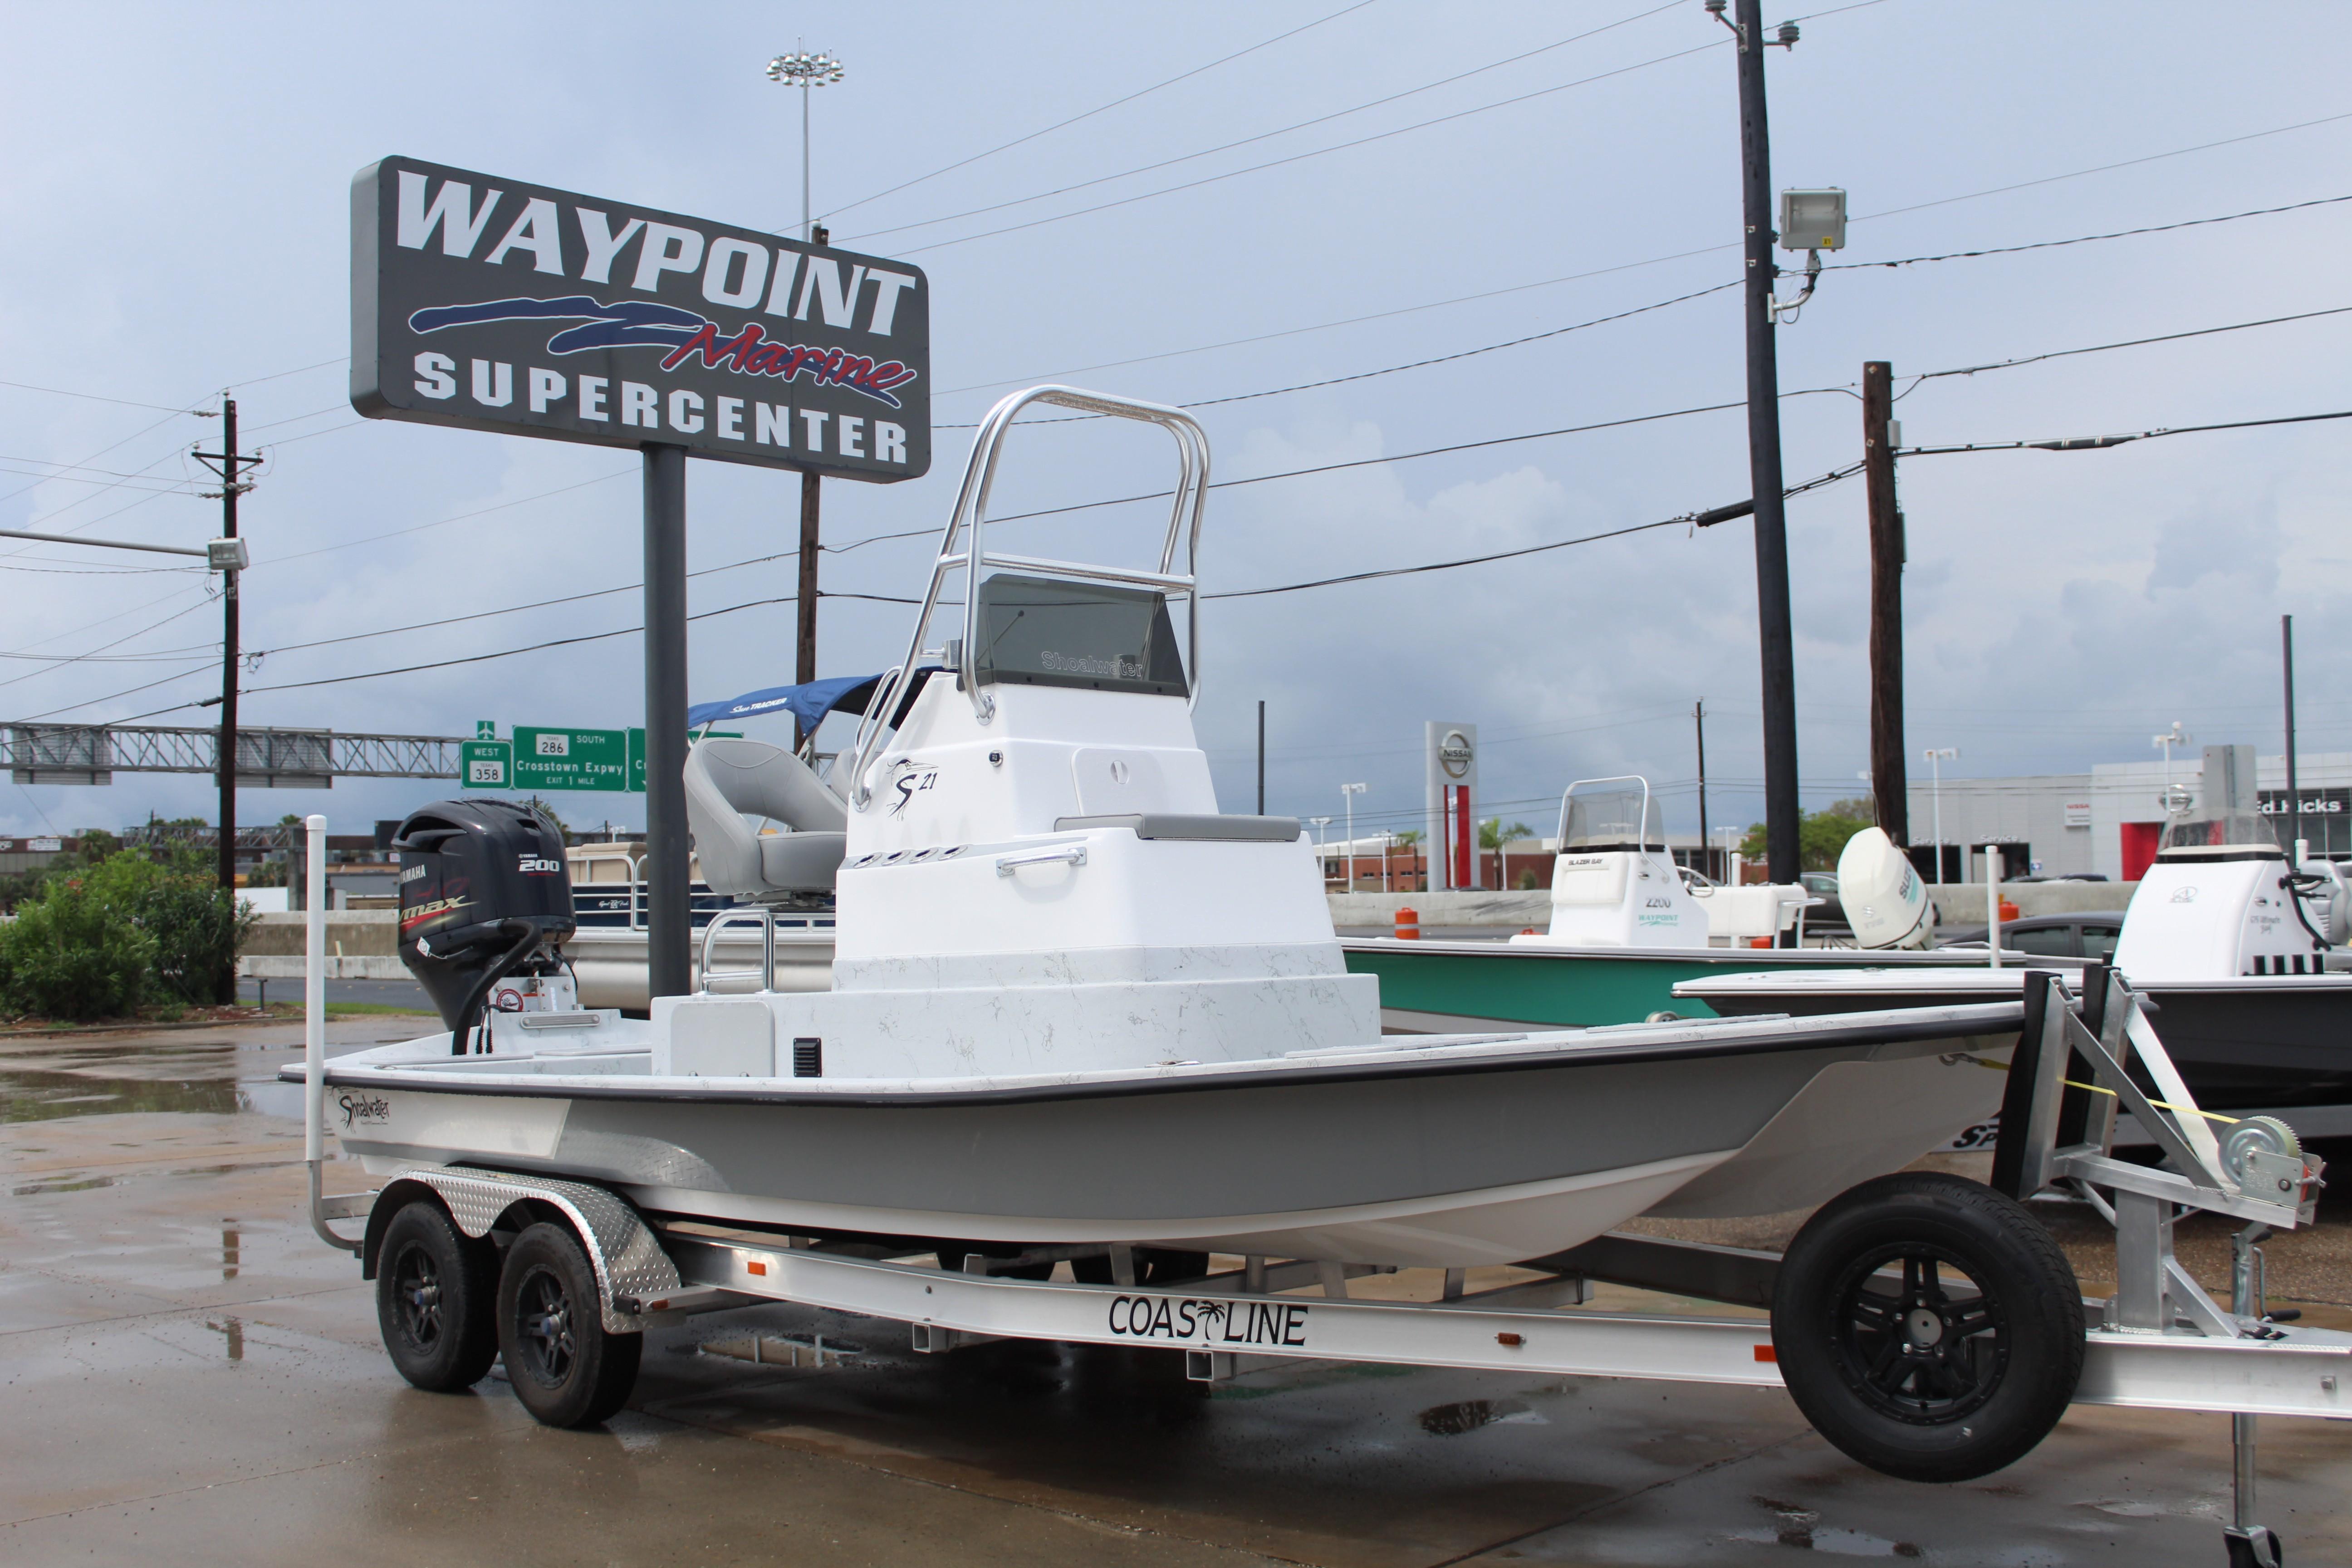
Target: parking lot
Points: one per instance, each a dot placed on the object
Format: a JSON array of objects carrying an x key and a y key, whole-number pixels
[{"x": 193, "y": 1379}]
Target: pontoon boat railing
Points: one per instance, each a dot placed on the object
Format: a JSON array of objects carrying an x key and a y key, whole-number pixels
[{"x": 971, "y": 504}]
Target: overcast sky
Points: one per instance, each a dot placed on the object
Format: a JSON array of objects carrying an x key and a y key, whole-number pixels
[{"x": 177, "y": 203}]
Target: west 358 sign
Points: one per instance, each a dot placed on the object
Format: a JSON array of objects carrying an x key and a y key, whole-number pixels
[{"x": 491, "y": 304}]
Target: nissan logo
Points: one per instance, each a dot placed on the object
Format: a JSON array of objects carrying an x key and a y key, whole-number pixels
[{"x": 1453, "y": 753}]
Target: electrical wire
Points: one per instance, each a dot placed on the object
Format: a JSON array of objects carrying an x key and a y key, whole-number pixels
[
  {"x": 1268, "y": 135},
  {"x": 2128, "y": 344},
  {"x": 1317, "y": 152},
  {"x": 1099, "y": 108},
  {"x": 2088, "y": 238},
  {"x": 2091, "y": 442},
  {"x": 91, "y": 397}
]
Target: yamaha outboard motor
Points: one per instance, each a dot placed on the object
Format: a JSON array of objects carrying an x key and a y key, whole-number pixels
[{"x": 483, "y": 895}]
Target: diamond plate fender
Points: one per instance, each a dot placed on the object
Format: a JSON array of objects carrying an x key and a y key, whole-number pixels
[{"x": 630, "y": 1264}]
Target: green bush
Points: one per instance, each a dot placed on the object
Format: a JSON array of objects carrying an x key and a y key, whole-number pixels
[
  {"x": 69, "y": 955},
  {"x": 126, "y": 932},
  {"x": 196, "y": 926}
]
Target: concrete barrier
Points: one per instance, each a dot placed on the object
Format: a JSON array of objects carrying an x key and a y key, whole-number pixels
[
  {"x": 1963, "y": 903},
  {"x": 1503, "y": 912}
]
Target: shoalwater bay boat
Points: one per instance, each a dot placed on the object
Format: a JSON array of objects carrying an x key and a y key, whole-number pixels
[{"x": 1072, "y": 1002}]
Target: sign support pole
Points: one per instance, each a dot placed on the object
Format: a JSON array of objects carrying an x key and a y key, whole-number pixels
[{"x": 670, "y": 901}]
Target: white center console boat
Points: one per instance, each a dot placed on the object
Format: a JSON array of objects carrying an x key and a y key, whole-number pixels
[{"x": 1073, "y": 1002}]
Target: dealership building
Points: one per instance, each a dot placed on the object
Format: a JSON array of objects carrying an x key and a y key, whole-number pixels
[{"x": 2106, "y": 822}]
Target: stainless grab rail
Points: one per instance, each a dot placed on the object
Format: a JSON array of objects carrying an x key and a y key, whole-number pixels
[
  {"x": 1190, "y": 500},
  {"x": 767, "y": 919}
]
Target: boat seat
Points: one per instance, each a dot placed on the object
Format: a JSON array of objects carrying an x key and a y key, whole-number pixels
[
  {"x": 726, "y": 780},
  {"x": 1182, "y": 826}
]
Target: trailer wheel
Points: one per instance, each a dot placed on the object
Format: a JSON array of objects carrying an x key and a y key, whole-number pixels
[
  {"x": 436, "y": 1300},
  {"x": 1928, "y": 1326},
  {"x": 566, "y": 1370}
]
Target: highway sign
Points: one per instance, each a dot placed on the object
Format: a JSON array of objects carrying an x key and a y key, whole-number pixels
[
  {"x": 548, "y": 759},
  {"x": 486, "y": 764}
]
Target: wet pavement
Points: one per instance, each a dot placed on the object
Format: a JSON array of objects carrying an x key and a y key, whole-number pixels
[{"x": 190, "y": 1378}]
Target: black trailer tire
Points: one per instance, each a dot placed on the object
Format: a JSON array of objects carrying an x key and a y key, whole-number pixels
[
  {"x": 564, "y": 1365},
  {"x": 436, "y": 1300},
  {"x": 1909, "y": 1379}
]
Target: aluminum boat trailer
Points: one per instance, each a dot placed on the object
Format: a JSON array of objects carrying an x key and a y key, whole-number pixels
[{"x": 528, "y": 1254}]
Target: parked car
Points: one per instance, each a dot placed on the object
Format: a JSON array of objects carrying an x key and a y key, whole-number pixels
[
  {"x": 1823, "y": 886},
  {"x": 2082, "y": 934}
]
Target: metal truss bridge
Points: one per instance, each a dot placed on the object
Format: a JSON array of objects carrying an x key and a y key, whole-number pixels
[{"x": 265, "y": 759}]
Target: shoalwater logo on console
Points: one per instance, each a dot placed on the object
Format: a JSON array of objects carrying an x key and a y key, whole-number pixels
[{"x": 684, "y": 334}]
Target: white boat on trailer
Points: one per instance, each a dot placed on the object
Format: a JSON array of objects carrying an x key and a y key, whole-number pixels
[{"x": 1080, "y": 1015}]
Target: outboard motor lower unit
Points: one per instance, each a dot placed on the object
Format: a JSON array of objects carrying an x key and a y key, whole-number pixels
[{"x": 483, "y": 895}]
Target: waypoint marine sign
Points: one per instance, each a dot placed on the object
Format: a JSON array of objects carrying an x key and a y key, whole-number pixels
[{"x": 490, "y": 304}]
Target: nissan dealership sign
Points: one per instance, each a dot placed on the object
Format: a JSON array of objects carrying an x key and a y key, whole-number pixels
[{"x": 490, "y": 304}]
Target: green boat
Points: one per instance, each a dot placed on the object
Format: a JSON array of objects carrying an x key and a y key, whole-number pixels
[
  {"x": 1625, "y": 931},
  {"x": 1453, "y": 987}
]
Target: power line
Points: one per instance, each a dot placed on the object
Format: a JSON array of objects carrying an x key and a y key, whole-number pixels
[
  {"x": 2130, "y": 343},
  {"x": 1415, "y": 364},
  {"x": 2107, "y": 168},
  {"x": 1317, "y": 152},
  {"x": 2088, "y": 238},
  {"x": 91, "y": 397},
  {"x": 1269, "y": 135},
  {"x": 1701, "y": 293},
  {"x": 2091, "y": 442},
  {"x": 1101, "y": 109}
]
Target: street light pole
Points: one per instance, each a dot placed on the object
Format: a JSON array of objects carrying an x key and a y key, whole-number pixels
[
  {"x": 1349, "y": 792},
  {"x": 1937, "y": 756},
  {"x": 806, "y": 70}
]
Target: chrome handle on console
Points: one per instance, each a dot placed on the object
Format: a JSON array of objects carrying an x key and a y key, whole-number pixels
[
  {"x": 1189, "y": 499},
  {"x": 1061, "y": 854}
]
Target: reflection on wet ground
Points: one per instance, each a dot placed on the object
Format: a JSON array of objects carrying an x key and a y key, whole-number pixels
[{"x": 201, "y": 1371}]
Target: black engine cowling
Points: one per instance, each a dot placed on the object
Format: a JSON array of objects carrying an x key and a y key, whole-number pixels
[{"x": 483, "y": 894}]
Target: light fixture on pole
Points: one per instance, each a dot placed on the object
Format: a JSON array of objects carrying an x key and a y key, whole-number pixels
[
  {"x": 1937, "y": 756},
  {"x": 1319, "y": 823},
  {"x": 805, "y": 68},
  {"x": 2174, "y": 804},
  {"x": 1350, "y": 792}
]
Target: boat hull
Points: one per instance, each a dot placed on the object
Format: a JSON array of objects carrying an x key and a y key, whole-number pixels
[
  {"x": 1447, "y": 1165},
  {"x": 1441, "y": 987},
  {"x": 2255, "y": 1042}
]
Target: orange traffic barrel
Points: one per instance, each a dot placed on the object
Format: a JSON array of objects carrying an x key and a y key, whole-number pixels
[{"x": 1408, "y": 924}]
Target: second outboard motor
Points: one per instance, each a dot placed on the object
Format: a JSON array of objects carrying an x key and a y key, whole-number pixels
[{"x": 483, "y": 894}]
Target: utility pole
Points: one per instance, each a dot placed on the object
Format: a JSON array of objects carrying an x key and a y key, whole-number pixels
[
  {"x": 228, "y": 462},
  {"x": 1706, "y": 848},
  {"x": 2294, "y": 793},
  {"x": 1889, "y": 783},
  {"x": 1782, "y": 850}
]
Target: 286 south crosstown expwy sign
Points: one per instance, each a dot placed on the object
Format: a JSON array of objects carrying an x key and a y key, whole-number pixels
[{"x": 490, "y": 304}]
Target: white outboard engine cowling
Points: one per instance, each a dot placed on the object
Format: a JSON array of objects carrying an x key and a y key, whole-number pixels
[{"x": 1885, "y": 902}]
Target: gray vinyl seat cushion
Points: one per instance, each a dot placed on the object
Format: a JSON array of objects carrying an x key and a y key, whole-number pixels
[{"x": 726, "y": 780}]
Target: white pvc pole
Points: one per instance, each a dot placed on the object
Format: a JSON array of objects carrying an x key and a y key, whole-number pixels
[
  {"x": 1993, "y": 902},
  {"x": 314, "y": 992}
]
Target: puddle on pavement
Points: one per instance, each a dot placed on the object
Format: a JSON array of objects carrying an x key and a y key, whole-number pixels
[
  {"x": 1469, "y": 1414},
  {"x": 34, "y": 1095},
  {"x": 1800, "y": 1527},
  {"x": 230, "y": 1253},
  {"x": 232, "y": 1332}
]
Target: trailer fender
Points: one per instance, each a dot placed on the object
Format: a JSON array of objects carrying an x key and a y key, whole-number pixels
[{"x": 630, "y": 1264}]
